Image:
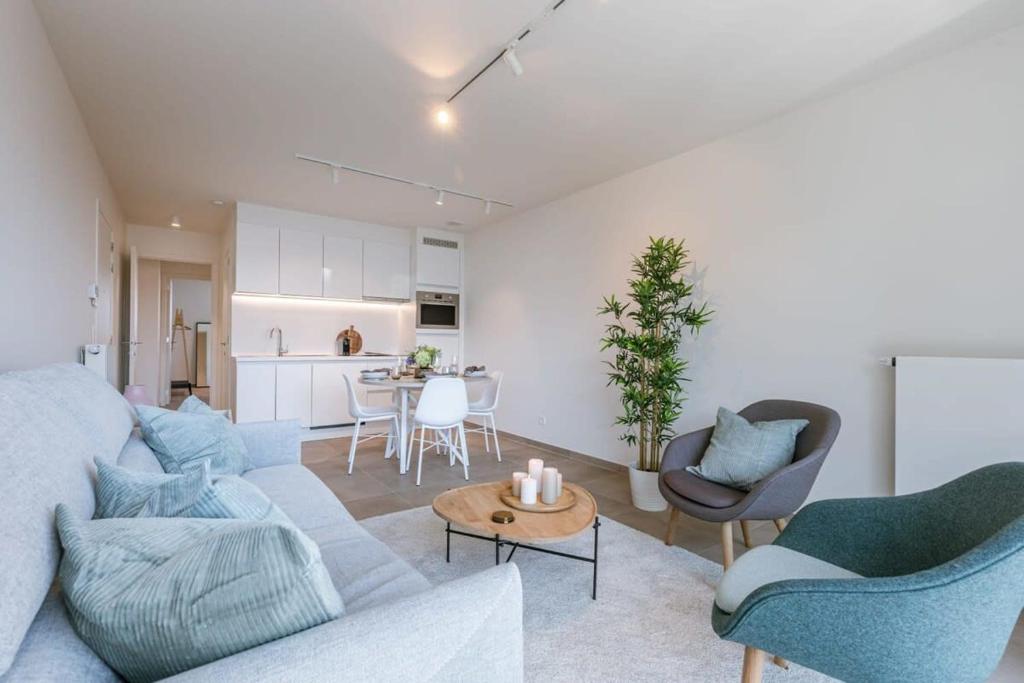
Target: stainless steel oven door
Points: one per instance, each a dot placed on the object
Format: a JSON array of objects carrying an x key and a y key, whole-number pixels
[{"x": 437, "y": 311}]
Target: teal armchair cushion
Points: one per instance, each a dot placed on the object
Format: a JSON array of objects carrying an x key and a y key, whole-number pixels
[
  {"x": 121, "y": 492},
  {"x": 154, "y": 597},
  {"x": 943, "y": 584},
  {"x": 742, "y": 453},
  {"x": 181, "y": 439}
]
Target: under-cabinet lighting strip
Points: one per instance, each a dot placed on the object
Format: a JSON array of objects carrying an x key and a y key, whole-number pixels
[{"x": 385, "y": 303}]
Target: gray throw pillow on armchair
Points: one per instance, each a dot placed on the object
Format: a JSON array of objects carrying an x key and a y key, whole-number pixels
[{"x": 743, "y": 453}]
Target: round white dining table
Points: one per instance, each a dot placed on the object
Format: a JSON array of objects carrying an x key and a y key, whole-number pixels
[{"x": 404, "y": 386}]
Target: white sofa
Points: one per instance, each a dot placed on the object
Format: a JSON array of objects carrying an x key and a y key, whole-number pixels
[{"x": 396, "y": 627}]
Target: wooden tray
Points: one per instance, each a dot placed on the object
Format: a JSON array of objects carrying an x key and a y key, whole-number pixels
[
  {"x": 564, "y": 502},
  {"x": 355, "y": 340}
]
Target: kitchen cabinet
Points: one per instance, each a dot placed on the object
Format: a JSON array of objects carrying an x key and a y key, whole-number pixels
[
  {"x": 256, "y": 259},
  {"x": 255, "y": 392},
  {"x": 385, "y": 271},
  {"x": 330, "y": 399},
  {"x": 294, "y": 392},
  {"x": 301, "y": 262},
  {"x": 438, "y": 266},
  {"x": 343, "y": 267}
]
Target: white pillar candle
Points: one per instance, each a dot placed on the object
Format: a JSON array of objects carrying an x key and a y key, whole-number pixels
[
  {"x": 517, "y": 478},
  {"x": 549, "y": 487},
  {"x": 535, "y": 466},
  {"x": 528, "y": 491},
  {"x": 558, "y": 481}
]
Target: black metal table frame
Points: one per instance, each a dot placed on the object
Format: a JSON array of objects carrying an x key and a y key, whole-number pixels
[{"x": 499, "y": 542}]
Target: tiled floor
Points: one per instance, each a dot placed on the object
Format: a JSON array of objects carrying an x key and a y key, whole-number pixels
[{"x": 376, "y": 488}]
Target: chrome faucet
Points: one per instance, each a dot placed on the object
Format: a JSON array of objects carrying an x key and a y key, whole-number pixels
[{"x": 281, "y": 348}]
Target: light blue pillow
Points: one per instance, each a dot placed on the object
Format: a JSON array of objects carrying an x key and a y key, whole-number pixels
[
  {"x": 743, "y": 453},
  {"x": 154, "y": 597},
  {"x": 122, "y": 492},
  {"x": 181, "y": 439},
  {"x": 195, "y": 405}
]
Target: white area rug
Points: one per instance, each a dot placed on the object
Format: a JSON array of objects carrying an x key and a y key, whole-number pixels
[{"x": 651, "y": 620}]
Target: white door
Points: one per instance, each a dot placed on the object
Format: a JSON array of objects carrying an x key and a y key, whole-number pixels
[
  {"x": 385, "y": 271},
  {"x": 257, "y": 251},
  {"x": 294, "y": 392},
  {"x": 343, "y": 267},
  {"x": 255, "y": 392},
  {"x": 302, "y": 263},
  {"x": 133, "y": 312},
  {"x": 330, "y": 399}
]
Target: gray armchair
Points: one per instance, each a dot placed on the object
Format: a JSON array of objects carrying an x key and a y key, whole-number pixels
[{"x": 775, "y": 497}]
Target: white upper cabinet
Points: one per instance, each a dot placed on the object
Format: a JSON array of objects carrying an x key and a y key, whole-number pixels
[
  {"x": 302, "y": 262},
  {"x": 256, "y": 259},
  {"x": 343, "y": 267},
  {"x": 438, "y": 263},
  {"x": 385, "y": 271}
]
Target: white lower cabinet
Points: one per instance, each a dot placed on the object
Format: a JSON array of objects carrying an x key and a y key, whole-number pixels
[
  {"x": 330, "y": 400},
  {"x": 294, "y": 392},
  {"x": 255, "y": 391}
]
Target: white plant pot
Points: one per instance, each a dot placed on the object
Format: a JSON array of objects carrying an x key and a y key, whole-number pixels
[{"x": 643, "y": 487}]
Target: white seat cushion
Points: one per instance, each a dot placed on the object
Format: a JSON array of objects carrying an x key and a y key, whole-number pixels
[{"x": 768, "y": 564}]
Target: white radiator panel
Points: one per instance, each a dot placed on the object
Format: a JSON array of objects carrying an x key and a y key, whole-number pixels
[{"x": 954, "y": 415}]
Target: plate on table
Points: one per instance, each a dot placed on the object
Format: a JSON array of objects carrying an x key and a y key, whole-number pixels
[
  {"x": 375, "y": 374},
  {"x": 476, "y": 373}
]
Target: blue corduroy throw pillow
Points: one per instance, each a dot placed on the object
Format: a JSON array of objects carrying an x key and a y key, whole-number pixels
[
  {"x": 158, "y": 596},
  {"x": 180, "y": 439},
  {"x": 742, "y": 453},
  {"x": 121, "y": 492}
]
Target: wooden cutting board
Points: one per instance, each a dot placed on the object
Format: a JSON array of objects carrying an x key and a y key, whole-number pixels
[{"x": 355, "y": 340}]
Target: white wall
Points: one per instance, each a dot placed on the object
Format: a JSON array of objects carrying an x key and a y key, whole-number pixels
[
  {"x": 147, "y": 360},
  {"x": 166, "y": 244},
  {"x": 50, "y": 180},
  {"x": 885, "y": 220}
]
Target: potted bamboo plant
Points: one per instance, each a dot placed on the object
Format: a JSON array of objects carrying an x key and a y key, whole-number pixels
[{"x": 645, "y": 333}]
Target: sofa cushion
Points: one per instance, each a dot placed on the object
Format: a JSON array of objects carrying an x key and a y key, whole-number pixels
[
  {"x": 768, "y": 564},
  {"x": 365, "y": 571},
  {"x": 52, "y": 651},
  {"x": 702, "y": 491},
  {"x": 53, "y": 422},
  {"x": 138, "y": 456},
  {"x": 300, "y": 494},
  {"x": 743, "y": 453},
  {"x": 194, "y": 404},
  {"x": 154, "y": 597},
  {"x": 182, "y": 439}
]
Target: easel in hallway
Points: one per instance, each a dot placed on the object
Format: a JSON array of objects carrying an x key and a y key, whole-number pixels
[{"x": 180, "y": 326}]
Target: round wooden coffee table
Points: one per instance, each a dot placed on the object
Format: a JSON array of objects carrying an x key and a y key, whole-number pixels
[{"x": 471, "y": 507}]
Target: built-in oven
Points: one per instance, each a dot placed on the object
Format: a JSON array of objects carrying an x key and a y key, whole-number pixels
[{"x": 437, "y": 310}]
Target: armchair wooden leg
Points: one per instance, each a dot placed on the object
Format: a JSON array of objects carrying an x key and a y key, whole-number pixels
[
  {"x": 780, "y": 524},
  {"x": 745, "y": 527},
  {"x": 727, "y": 544},
  {"x": 780, "y": 662},
  {"x": 670, "y": 532},
  {"x": 753, "y": 665}
]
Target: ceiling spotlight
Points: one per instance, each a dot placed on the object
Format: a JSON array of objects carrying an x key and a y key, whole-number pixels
[
  {"x": 217, "y": 202},
  {"x": 440, "y": 198},
  {"x": 443, "y": 117},
  {"x": 175, "y": 222},
  {"x": 509, "y": 57},
  {"x": 335, "y": 175},
  {"x": 487, "y": 207}
]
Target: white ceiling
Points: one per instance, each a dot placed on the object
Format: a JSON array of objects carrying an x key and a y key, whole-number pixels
[{"x": 194, "y": 100}]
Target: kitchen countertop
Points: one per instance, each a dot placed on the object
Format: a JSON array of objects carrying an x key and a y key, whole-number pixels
[{"x": 307, "y": 357}]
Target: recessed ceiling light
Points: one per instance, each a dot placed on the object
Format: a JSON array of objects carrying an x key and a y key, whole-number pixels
[
  {"x": 454, "y": 224},
  {"x": 175, "y": 222},
  {"x": 443, "y": 117},
  {"x": 217, "y": 202}
]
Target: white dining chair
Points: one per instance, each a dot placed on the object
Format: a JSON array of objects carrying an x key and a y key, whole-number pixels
[
  {"x": 484, "y": 407},
  {"x": 364, "y": 414},
  {"x": 442, "y": 407}
]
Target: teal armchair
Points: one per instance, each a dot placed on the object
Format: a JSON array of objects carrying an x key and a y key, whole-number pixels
[{"x": 942, "y": 590}]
